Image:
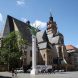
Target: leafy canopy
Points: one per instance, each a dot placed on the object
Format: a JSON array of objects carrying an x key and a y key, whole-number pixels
[{"x": 11, "y": 48}]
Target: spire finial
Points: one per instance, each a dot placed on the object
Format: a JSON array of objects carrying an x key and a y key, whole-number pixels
[
  {"x": 50, "y": 18},
  {"x": 50, "y": 13}
]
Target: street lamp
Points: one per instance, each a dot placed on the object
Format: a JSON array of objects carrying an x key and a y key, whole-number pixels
[
  {"x": 33, "y": 32},
  {"x": 34, "y": 70}
]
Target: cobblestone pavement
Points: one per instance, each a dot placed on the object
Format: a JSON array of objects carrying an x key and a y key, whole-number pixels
[
  {"x": 6, "y": 74},
  {"x": 44, "y": 75}
]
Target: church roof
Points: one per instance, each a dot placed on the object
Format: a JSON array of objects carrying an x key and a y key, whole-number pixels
[
  {"x": 42, "y": 40},
  {"x": 42, "y": 45},
  {"x": 22, "y": 27},
  {"x": 41, "y": 36}
]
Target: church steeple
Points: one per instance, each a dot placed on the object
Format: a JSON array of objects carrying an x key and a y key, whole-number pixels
[
  {"x": 51, "y": 18},
  {"x": 51, "y": 25}
]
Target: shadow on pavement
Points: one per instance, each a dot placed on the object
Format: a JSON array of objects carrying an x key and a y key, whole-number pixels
[{"x": 5, "y": 77}]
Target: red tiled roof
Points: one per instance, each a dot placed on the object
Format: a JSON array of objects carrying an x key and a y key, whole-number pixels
[{"x": 70, "y": 47}]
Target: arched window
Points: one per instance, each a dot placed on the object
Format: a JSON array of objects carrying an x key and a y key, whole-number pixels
[
  {"x": 30, "y": 53},
  {"x": 44, "y": 55}
]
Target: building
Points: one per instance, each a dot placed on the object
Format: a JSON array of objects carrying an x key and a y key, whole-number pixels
[
  {"x": 52, "y": 50},
  {"x": 72, "y": 57},
  {"x": 13, "y": 24},
  {"x": 50, "y": 43}
]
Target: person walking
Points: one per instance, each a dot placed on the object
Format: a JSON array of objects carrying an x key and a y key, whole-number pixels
[
  {"x": 53, "y": 69},
  {"x": 12, "y": 72},
  {"x": 15, "y": 72}
]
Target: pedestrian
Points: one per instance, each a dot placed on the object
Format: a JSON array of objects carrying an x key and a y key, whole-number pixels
[
  {"x": 12, "y": 72},
  {"x": 53, "y": 69},
  {"x": 15, "y": 73}
]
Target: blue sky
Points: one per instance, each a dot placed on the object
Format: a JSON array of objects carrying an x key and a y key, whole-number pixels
[{"x": 65, "y": 13}]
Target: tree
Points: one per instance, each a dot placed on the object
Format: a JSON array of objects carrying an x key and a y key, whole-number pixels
[{"x": 10, "y": 52}]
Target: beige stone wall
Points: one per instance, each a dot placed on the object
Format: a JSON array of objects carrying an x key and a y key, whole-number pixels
[
  {"x": 65, "y": 54},
  {"x": 26, "y": 54},
  {"x": 49, "y": 57},
  {"x": 61, "y": 51},
  {"x": 46, "y": 56},
  {"x": 29, "y": 58},
  {"x": 42, "y": 56}
]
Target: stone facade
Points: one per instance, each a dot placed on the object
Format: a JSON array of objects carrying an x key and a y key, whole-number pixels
[
  {"x": 51, "y": 45},
  {"x": 45, "y": 57},
  {"x": 13, "y": 24}
]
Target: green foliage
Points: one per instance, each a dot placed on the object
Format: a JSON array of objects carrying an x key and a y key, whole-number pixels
[
  {"x": 33, "y": 30},
  {"x": 10, "y": 52}
]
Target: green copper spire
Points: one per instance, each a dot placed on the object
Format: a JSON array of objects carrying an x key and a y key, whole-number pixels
[{"x": 32, "y": 29}]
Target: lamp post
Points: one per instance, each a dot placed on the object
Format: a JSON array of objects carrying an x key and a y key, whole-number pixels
[
  {"x": 33, "y": 32},
  {"x": 34, "y": 70}
]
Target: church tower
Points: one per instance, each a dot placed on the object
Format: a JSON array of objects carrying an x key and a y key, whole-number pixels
[{"x": 51, "y": 26}]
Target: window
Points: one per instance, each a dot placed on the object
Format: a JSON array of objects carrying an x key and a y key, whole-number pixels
[
  {"x": 30, "y": 53},
  {"x": 44, "y": 55}
]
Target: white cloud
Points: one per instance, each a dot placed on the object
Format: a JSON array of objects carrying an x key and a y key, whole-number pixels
[
  {"x": 20, "y": 2},
  {"x": 24, "y": 19},
  {"x": 41, "y": 25},
  {"x": 1, "y": 18}
]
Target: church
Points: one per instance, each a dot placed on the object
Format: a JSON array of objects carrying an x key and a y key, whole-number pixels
[{"x": 50, "y": 43}]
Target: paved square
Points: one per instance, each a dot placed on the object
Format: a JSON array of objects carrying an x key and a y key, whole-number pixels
[{"x": 56, "y": 75}]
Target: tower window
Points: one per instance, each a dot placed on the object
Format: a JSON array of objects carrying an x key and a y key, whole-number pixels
[
  {"x": 44, "y": 55},
  {"x": 30, "y": 53}
]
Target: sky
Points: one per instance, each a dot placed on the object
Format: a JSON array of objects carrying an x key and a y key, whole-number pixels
[{"x": 64, "y": 12}]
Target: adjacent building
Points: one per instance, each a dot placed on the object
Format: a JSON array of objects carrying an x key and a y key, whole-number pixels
[{"x": 72, "y": 57}]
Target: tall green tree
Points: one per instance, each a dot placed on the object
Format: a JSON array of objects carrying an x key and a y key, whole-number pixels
[{"x": 10, "y": 52}]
